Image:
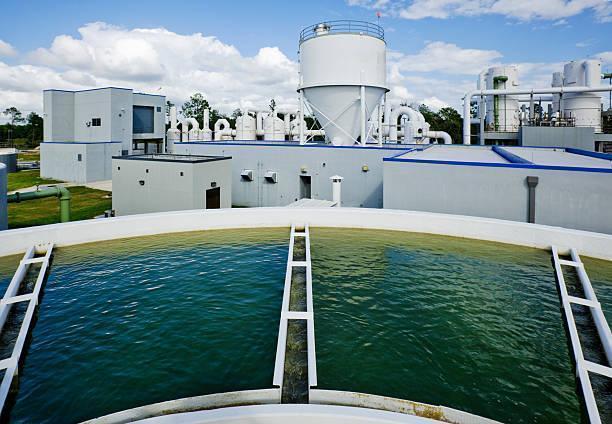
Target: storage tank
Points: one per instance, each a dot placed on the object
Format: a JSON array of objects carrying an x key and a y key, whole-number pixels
[
  {"x": 585, "y": 108},
  {"x": 8, "y": 157},
  {"x": 274, "y": 127},
  {"x": 246, "y": 128},
  {"x": 502, "y": 110},
  {"x": 337, "y": 59},
  {"x": 3, "y": 204}
]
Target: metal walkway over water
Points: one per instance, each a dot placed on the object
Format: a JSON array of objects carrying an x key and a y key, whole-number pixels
[
  {"x": 297, "y": 308},
  {"x": 583, "y": 366},
  {"x": 11, "y": 364}
]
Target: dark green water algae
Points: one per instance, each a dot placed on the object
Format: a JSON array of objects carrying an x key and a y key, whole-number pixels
[
  {"x": 466, "y": 324},
  {"x": 136, "y": 321}
]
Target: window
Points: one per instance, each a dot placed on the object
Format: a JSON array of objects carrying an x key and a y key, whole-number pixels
[
  {"x": 96, "y": 122},
  {"x": 143, "y": 120},
  {"x": 79, "y": 157},
  {"x": 159, "y": 108}
]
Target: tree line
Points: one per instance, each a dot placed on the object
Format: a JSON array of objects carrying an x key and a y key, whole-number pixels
[{"x": 21, "y": 131}]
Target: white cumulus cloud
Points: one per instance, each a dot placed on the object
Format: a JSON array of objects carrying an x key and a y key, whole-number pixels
[
  {"x": 524, "y": 10},
  {"x": 6, "y": 49}
]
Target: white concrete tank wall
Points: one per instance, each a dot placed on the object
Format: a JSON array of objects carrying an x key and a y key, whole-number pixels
[
  {"x": 585, "y": 108},
  {"x": 274, "y": 128},
  {"x": 246, "y": 128},
  {"x": 3, "y": 204},
  {"x": 507, "y": 111},
  {"x": 336, "y": 59}
]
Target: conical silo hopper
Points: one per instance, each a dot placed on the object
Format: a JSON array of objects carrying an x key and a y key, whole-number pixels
[{"x": 343, "y": 75}]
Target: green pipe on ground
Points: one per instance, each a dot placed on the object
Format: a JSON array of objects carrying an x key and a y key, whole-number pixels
[{"x": 60, "y": 192}]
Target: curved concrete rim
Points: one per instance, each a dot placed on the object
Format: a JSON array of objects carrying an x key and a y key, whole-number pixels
[
  {"x": 290, "y": 413},
  {"x": 591, "y": 244},
  {"x": 333, "y": 405}
]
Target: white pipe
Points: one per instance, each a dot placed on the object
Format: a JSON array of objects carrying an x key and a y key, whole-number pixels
[
  {"x": 227, "y": 129},
  {"x": 185, "y": 127},
  {"x": 380, "y": 120},
  {"x": 173, "y": 121},
  {"x": 413, "y": 116},
  {"x": 439, "y": 134},
  {"x": 206, "y": 121},
  {"x": 550, "y": 90},
  {"x": 337, "y": 190},
  {"x": 259, "y": 123}
]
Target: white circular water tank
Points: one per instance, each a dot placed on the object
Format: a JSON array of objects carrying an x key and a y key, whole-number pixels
[
  {"x": 337, "y": 58},
  {"x": 585, "y": 108},
  {"x": 274, "y": 128},
  {"x": 503, "y": 112},
  {"x": 3, "y": 204},
  {"x": 246, "y": 128}
]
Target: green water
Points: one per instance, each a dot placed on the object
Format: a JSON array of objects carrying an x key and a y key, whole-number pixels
[
  {"x": 471, "y": 325},
  {"x": 132, "y": 322}
]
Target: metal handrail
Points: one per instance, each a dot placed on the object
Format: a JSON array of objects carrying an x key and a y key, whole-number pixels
[
  {"x": 583, "y": 366},
  {"x": 342, "y": 27}
]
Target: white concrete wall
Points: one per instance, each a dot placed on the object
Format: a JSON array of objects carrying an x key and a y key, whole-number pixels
[
  {"x": 595, "y": 245},
  {"x": 570, "y": 199},
  {"x": 60, "y": 161},
  {"x": 359, "y": 188},
  {"x": 58, "y": 115},
  {"x": 164, "y": 188},
  {"x": 120, "y": 111}
]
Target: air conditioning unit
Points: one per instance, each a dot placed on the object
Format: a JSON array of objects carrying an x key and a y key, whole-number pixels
[
  {"x": 271, "y": 177},
  {"x": 247, "y": 175}
]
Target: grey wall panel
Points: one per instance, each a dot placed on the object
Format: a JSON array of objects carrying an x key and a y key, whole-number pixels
[{"x": 570, "y": 199}]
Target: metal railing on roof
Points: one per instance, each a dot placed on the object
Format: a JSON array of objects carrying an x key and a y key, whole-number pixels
[{"x": 342, "y": 27}]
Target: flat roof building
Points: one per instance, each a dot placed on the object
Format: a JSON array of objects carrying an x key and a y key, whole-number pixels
[{"x": 84, "y": 129}]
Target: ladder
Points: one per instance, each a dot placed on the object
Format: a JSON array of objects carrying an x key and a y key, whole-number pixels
[
  {"x": 10, "y": 298},
  {"x": 287, "y": 314},
  {"x": 584, "y": 367}
]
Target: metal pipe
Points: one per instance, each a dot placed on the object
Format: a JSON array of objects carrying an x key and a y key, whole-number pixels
[
  {"x": 550, "y": 90},
  {"x": 60, "y": 192},
  {"x": 439, "y": 134}
]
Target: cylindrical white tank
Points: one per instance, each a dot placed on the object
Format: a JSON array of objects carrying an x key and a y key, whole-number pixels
[
  {"x": 3, "y": 205},
  {"x": 585, "y": 108},
  {"x": 274, "y": 128},
  {"x": 246, "y": 127},
  {"x": 336, "y": 59},
  {"x": 557, "y": 81},
  {"x": 502, "y": 111}
]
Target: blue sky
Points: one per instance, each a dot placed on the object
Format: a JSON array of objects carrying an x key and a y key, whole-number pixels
[{"x": 538, "y": 35}]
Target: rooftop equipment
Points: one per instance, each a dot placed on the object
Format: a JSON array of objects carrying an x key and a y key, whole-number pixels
[{"x": 342, "y": 76}]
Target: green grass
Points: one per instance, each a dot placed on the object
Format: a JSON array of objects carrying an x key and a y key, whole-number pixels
[
  {"x": 29, "y": 178},
  {"x": 86, "y": 203}
]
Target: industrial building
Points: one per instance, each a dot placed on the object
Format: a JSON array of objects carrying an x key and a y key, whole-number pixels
[
  {"x": 84, "y": 129},
  {"x": 162, "y": 182}
]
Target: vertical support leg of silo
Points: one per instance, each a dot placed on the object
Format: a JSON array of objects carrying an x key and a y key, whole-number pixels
[
  {"x": 363, "y": 116},
  {"x": 301, "y": 116},
  {"x": 380, "y": 120}
]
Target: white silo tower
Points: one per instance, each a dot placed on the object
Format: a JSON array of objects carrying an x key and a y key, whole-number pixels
[
  {"x": 585, "y": 108},
  {"x": 502, "y": 110},
  {"x": 343, "y": 76}
]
